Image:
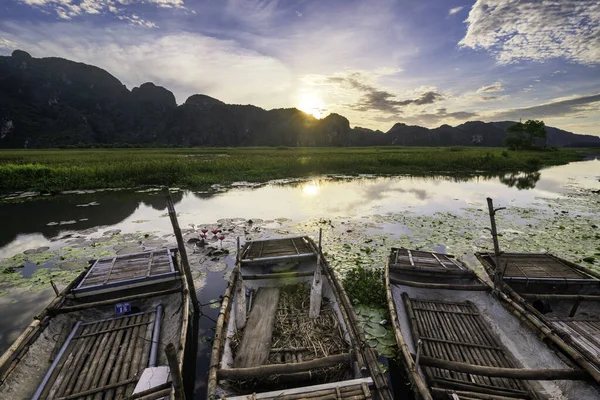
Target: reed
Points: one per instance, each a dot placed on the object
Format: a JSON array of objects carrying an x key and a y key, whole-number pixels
[{"x": 56, "y": 170}]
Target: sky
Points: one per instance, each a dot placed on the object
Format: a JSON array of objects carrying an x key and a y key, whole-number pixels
[{"x": 376, "y": 62}]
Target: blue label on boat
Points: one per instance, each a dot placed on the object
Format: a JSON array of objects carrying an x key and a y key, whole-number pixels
[{"x": 122, "y": 308}]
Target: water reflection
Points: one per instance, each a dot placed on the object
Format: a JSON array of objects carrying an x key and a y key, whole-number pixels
[
  {"x": 51, "y": 216},
  {"x": 521, "y": 180}
]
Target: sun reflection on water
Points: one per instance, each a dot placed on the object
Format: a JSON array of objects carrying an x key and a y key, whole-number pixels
[{"x": 311, "y": 188}]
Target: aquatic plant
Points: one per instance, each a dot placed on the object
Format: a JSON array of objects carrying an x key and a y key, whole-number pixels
[{"x": 52, "y": 171}]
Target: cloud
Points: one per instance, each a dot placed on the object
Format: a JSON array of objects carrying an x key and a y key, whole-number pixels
[
  {"x": 455, "y": 10},
  {"x": 535, "y": 30},
  {"x": 252, "y": 13},
  {"x": 7, "y": 44},
  {"x": 183, "y": 62},
  {"x": 69, "y": 9},
  {"x": 494, "y": 87},
  {"x": 573, "y": 107},
  {"x": 374, "y": 99}
]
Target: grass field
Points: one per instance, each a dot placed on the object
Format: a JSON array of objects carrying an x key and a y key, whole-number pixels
[{"x": 56, "y": 170}]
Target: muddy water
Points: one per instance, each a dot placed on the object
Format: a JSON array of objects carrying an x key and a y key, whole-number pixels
[{"x": 53, "y": 238}]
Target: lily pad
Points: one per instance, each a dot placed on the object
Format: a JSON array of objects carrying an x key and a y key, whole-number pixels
[{"x": 375, "y": 330}]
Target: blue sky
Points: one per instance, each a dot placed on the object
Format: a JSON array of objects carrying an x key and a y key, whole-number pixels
[{"x": 377, "y": 62}]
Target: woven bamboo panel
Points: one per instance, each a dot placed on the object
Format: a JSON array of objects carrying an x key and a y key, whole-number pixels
[
  {"x": 584, "y": 333},
  {"x": 112, "y": 270},
  {"x": 104, "y": 357},
  {"x": 422, "y": 259},
  {"x": 277, "y": 248},
  {"x": 455, "y": 331},
  {"x": 534, "y": 266},
  {"x": 355, "y": 392}
]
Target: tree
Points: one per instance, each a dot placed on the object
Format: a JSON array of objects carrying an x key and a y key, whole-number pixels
[{"x": 524, "y": 135}]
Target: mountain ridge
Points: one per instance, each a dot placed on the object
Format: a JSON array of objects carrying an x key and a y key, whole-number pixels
[{"x": 52, "y": 102}]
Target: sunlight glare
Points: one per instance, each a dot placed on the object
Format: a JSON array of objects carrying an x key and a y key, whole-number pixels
[
  {"x": 310, "y": 103},
  {"x": 311, "y": 188}
]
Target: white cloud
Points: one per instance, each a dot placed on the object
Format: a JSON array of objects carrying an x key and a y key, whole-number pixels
[
  {"x": 136, "y": 20},
  {"x": 569, "y": 107},
  {"x": 69, "y": 9},
  {"x": 493, "y": 88},
  {"x": 516, "y": 30},
  {"x": 185, "y": 63},
  {"x": 455, "y": 10}
]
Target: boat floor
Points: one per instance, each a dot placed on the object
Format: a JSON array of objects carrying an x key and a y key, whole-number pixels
[
  {"x": 106, "y": 355},
  {"x": 111, "y": 352},
  {"x": 585, "y": 333},
  {"x": 456, "y": 331},
  {"x": 295, "y": 337},
  {"x": 356, "y": 389},
  {"x": 472, "y": 327}
]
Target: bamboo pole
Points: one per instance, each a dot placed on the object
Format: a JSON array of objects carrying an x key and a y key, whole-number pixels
[
  {"x": 481, "y": 388},
  {"x": 96, "y": 304},
  {"x": 280, "y": 369},
  {"x": 99, "y": 389},
  {"x": 535, "y": 296},
  {"x": 184, "y": 324},
  {"x": 514, "y": 373},
  {"x": 152, "y": 390},
  {"x": 220, "y": 334},
  {"x": 278, "y": 275},
  {"x": 156, "y": 395},
  {"x": 31, "y": 333},
  {"x": 440, "y": 286},
  {"x": 477, "y": 394},
  {"x": 20, "y": 340},
  {"x": 85, "y": 377},
  {"x": 175, "y": 372},
  {"x": 367, "y": 355},
  {"x": 356, "y": 335},
  {"x": 183, "y": 253},
  {"x": 419, "y": 386},
  {"x": 546, "y": 332},
  {"x": 55, "y": 288},
  {"x": 492, "y": 211}
]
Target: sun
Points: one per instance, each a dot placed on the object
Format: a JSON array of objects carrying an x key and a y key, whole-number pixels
[{"x": 310, "y": 103}]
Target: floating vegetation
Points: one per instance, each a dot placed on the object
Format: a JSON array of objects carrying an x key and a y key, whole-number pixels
[{"x": 377, "y": 332}]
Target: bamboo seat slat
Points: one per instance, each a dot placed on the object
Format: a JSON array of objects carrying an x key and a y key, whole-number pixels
[
  {"x": 446, "y": 311},
  {"x": 112, "y": 329},
  {"x": 103, "y": 356},
  {"x": 455, "y": 338},
  {"x": 465, "y": 344}
]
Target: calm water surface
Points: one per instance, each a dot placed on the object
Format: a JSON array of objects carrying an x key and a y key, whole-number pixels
[{"x": 380, "y": 210}]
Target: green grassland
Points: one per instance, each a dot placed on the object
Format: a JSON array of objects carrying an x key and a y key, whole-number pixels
[{"x": 56, "y": 170}]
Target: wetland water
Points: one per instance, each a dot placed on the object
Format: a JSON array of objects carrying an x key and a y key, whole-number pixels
[{"x": 362, "y": 217}]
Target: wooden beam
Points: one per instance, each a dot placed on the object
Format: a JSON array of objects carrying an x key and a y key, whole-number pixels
[
  {"x": 112, "y": 265},
  {"x": 176, "y": 378},
  {"x": 256, "y": 342},
  {"x": 447, "y": 286},
  {"x": 94, "y": 304},
  {"x": 183, "y": 253},
  {"x": 278, "y": 275},
  {"x": 514, "y": 373},
  {"x": 535, "y": 296},
  {"x": 280, "y": 369}
]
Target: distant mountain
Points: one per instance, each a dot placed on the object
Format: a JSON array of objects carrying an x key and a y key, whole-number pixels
[{"x": 51, "y": 102}]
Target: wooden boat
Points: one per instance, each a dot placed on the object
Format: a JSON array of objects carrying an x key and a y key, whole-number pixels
[
  {"x": 564, "y": 296},
  {"x": 111, "y": 334},
  {"x": 286, "y": 330},
  {"x": 458, "y": 339}
]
